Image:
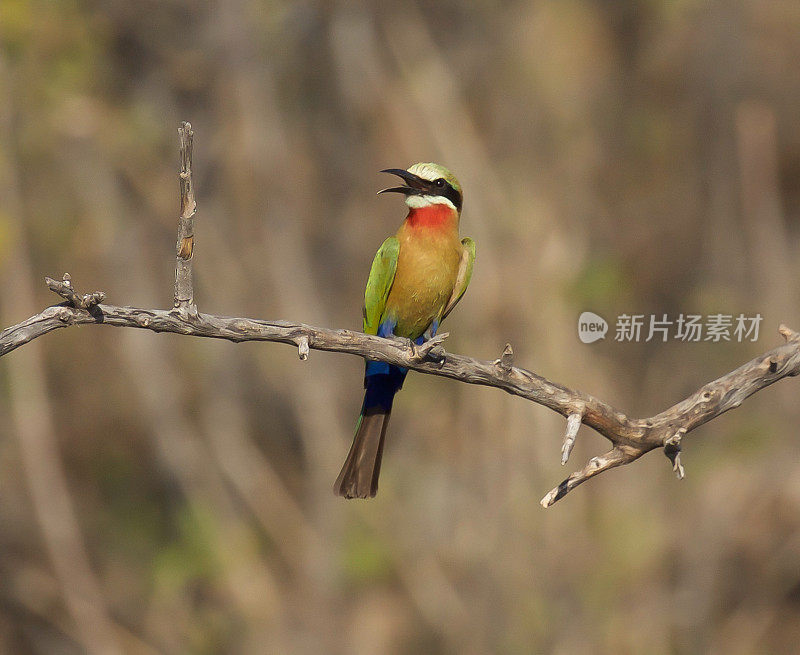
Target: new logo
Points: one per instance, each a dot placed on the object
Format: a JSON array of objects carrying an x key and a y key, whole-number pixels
[{"x": 591, "y": 327}]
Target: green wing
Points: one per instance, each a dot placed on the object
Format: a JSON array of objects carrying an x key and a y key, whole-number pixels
[
  {"x": 380, "y": 280},
  {"x": 464, "y": 275}
]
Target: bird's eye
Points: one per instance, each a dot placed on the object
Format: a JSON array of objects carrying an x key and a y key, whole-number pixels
[{"x": 439, "y": 183}]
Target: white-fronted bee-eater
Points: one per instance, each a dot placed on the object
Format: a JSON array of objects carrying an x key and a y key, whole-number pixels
[{"x": 417, "y": 278}]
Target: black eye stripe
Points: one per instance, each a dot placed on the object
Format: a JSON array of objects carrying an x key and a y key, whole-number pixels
[
  {"x": 452, "y": 195},
  {"x": 441, "y": 187}
]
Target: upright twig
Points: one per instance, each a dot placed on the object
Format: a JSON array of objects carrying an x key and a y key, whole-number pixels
[{"x": 184, "y": 250}]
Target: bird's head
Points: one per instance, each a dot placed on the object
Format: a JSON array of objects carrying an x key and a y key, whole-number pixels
[{"x": 427, "y": 184}]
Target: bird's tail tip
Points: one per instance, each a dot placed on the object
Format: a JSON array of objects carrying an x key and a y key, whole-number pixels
[
  {"x": 349, "y": 492},
  {"x": 359, "y": 475}
]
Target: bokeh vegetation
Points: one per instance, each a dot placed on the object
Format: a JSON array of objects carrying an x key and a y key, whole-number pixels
[{"x": 166, "y": 495}]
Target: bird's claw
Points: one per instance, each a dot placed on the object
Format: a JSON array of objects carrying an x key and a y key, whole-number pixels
[{"x": 430, "y": 350}]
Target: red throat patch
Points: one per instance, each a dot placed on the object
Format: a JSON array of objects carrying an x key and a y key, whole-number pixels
[{"x": 439, "y": 216}]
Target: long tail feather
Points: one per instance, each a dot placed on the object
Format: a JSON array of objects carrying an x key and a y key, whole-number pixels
[{"x": 359, "y": 475}]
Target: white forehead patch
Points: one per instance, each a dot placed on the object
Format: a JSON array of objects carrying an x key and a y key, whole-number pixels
[
  {"x": 416, "y": 202},
  {"x": 426, "y": 172}
]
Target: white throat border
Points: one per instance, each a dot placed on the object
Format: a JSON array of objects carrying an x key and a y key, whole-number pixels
[{"x": 417, "y": 202}]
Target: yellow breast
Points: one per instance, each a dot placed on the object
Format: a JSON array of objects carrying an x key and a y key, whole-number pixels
[{"x": 427, "y": 267}]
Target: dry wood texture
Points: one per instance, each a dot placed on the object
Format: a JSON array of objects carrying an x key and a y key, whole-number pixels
[{"x": 631, "y": 437}]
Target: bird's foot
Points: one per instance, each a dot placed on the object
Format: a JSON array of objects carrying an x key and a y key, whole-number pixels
[{"x": 430, "y": 350}]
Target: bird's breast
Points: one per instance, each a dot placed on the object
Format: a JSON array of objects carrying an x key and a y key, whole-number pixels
[{"x": 427, "y": 268}]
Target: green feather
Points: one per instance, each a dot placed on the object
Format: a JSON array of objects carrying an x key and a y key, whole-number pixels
[
  {"x": 464, "y": 275},
  {"x": 381, "y": 277}
]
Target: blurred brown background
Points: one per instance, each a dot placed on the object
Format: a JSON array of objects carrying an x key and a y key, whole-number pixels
[{"x": 160, "y": 494}]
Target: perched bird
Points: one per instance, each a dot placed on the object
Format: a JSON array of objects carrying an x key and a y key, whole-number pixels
[{"x": 417, "y": 277}]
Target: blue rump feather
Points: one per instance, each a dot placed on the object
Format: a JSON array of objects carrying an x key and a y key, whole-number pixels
[{"x": 381, "y": 380}]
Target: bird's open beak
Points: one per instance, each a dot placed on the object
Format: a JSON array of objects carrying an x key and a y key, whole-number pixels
[{"x": 415, "y": 185}]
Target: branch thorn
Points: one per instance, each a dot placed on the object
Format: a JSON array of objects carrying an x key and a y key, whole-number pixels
[
  {"x": 302, "y": 348},
  {"x": 788, "y": 333},
  {"x": 573, "y": 423},
  {"x": 506, "y": 360},
  {"x": 672, "y": 449}
]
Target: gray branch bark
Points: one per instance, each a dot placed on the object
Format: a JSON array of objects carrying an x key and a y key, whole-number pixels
[
  {"x": 630, "y": 437},
  {"x": 184, "y": 248}
]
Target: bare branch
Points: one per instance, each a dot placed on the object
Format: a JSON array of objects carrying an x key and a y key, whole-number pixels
[
  {"x": 184, "y": 249},
  {"x": 64, "y": 289},
  {"x": 630, "y": 437},
  {"x": 614, "y": 457}
]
